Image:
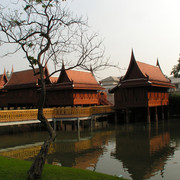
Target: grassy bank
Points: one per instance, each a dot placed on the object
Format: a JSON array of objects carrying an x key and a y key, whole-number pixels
[{"x": 17, "y": 170}]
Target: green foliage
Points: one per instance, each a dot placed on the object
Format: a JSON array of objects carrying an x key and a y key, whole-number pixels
[
  {"x": 30, "y": 45},
  {"x": 32, "y": 60},
  {"x": 27, "y": 7},
  {"x": 174, "y": 102},
  {"x": 176, "y": 69},
  {"x": 174, "y": 97},
  {"x": 17, "y": 170}
]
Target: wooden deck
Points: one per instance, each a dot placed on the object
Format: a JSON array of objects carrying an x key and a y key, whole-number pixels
[{"x": 61, "y": 113}]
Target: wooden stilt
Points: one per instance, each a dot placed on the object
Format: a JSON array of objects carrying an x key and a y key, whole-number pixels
[
  {"x": 127, "y": 116},
  {"x": 167, "y": 112},
  {"x": 54, "y": 124},
  {"x": 61, "y": 125},
  {"x": 116, "y": 117},
  {"x": 156, "y": 114},
  {"x": 148, "y": 115},
  {"x": 162, "y": 107},
  {"x": 78, "y": 124},
  {"x": 91, "y": 123}
]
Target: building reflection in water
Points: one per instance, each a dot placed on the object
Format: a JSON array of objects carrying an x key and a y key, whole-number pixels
[
  {"x": 142, "y": 153},
  {"x": 71, "y": 149},
  {"x": 143, "y": 150},
  {"x": 83, "y": 153}
]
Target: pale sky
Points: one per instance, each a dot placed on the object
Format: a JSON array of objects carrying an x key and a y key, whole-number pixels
[{"x": 150, "y": 27}]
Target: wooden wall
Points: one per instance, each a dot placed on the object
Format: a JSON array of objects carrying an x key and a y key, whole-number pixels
[
  {"x": 19, "y": 98},
  {"x": 130, "y": 97},
  {"x": 85, "y": 97},
  {"x": 54, "y": 98},
  {"x": 140, "y": 97},
  {"x": 59, "y": 98}
]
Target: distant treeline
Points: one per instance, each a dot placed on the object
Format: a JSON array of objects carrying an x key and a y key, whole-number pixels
[{"x": 174, "y": 103}]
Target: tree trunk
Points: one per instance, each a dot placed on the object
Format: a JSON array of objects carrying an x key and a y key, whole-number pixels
[{"x": 36, "y": 168}]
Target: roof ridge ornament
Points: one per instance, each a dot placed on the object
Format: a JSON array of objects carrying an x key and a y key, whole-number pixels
[
  {"x": 157, "y": 63},
  {"x": 132, "y": 55},
  {"x": 63, "y": 66},
  {"x": 91, "y": 70},
  {"x": 12, "y": 70}
]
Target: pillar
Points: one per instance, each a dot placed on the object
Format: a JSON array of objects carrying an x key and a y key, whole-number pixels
[
  {"x": 54, "y": 124},
  {"x": 61, "y": 125},
  {"x": 91, "y": 123},
  {"x": 78, "y": 124},
  {"x": 116, "y": 117},
  {"x": 148, "y": 115},
  {"x": 127, "y": 116},
  {"x": 156, "y": 114},
  {"x": 162, "y": 108}
]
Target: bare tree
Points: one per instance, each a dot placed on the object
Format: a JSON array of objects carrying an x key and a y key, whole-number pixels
[{"x": 46, "y": 31}]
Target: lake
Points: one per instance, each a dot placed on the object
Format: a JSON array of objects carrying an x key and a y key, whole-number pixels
[{"x": 137, "y": 151}]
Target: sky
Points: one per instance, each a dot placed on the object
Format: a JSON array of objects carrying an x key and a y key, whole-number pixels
[{"x": 150, "y": 27}]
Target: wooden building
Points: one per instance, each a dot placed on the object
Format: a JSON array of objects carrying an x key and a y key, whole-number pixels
[
  {"x": 21, "y": 90},
  {"x": 71, "y": 88},
  {"x": 74, "y": 88},
  {"x": 143, "y": 88}
]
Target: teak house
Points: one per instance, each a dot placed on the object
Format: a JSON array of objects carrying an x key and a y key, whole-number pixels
[
  {"x": 21, "y": 90},
  {"x": 71, "y": 88},
  {"x": 74, "y": 88},
  {"x": 143, "y": 89}
]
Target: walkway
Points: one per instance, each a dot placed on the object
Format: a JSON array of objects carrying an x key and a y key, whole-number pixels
[{"x": 28, "y": 116}]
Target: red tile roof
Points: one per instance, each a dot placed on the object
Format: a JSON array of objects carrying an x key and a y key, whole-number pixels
[
  {"x": 22, "y": 78},
  {"x": 79, "y": 79},
  {"x": 25, "y": 78},
  {"x": 142, "y": 74},
  {"x": 154, "y": 73}
]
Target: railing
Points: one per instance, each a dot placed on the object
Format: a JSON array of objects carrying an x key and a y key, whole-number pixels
[{"x": 61, "y": 112}]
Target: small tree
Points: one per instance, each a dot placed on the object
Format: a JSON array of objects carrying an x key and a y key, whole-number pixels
[
  {"x": 46, "y": 31},
  {"x": 176, "y": 69}
]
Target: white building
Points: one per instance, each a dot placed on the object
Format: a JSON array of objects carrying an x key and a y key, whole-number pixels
[
  {"x": 109, "y": 83},
  {"x": 176, "y": 82}
]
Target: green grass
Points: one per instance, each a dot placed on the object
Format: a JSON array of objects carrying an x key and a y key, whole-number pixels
[{"x": 17, "y": 170}]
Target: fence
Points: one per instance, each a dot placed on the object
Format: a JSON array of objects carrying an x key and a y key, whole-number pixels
[{"x": 50, "y": 113}]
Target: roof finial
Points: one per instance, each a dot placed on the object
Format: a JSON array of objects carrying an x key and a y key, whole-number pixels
[
  {"x": 12, "y": 70},
  {"x": 4, "y": 70},
  {"x": 91, "y": 69},
  {"x": 63, "y": 66},
  {"x": 157, "y": 63},
  {"x": 132, "y": 55}
]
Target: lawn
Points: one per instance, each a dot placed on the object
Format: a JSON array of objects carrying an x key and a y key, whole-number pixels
[{"x": 17, "y": 170}]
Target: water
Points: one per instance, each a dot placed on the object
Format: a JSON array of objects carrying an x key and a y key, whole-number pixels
[{"x": 138, "y": 151}]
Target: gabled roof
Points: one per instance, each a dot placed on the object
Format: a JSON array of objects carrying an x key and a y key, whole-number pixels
[
  {"x": 154, "y": 73},
  {"x": 3, "y": 79},
  {"x": 142, "y": 74},
  {"x": 23, "y": 79},
  {"x": 110, "y": 78},
  {"x": 78, "y": 79}
]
